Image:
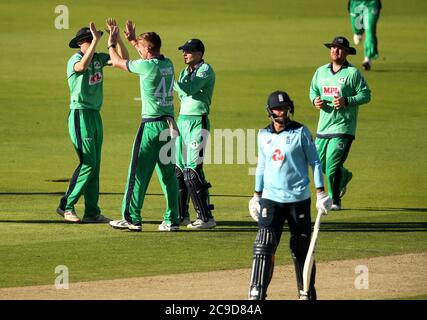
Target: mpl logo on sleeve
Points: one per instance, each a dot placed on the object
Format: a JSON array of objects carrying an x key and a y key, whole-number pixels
[{"x": 330, "y": 91}]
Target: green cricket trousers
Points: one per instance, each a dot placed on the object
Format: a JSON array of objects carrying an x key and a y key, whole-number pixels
[
  {"x": 332, "y": 153},
  {"x": 190, "y": 151},
  {"x": 86, "y": 133},
  {"x": 364, "y": 16},
  {"x": 190, "y": 144},
  {"x": 152, "y": 140}
]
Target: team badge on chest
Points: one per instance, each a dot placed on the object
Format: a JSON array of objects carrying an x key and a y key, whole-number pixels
[{"x": 278, "y": 155}]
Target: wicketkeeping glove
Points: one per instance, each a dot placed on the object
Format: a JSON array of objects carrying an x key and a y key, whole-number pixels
[
  {"x": 254, "y": 207},
  {"x": 323, "y": 202}
]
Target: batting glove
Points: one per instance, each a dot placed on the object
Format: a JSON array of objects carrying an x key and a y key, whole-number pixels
[
  {"x": 254, "y": 207},
  {"x": 323, "y": 202}
]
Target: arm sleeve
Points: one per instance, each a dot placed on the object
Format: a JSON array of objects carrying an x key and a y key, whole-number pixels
[
  {"x": 203, "y": 76},
  {"x": 363, "y": 93},
  {"x": 70, "y": 65},
  {"x": 312, "y": 157},
  {"x": 259, "y": 175},
  {"x": 141, "y": 67},
  {"x": 314, "y": 90}
]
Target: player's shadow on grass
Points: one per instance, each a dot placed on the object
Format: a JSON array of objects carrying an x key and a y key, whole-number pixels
[
  {"x": 36, "y": 221},
  {"x": 221, "y": 226},
  {"x": 387, "y": 209},
  {"x": 373, "y": 227}
]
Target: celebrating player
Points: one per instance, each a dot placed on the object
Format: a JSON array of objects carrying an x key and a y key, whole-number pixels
[
  {"x": 337, "y": 89},
  {"x": 156, "y": 74},
  {"x": 195, "y": 88},
  {"x": 85, "y": 80},
  {"x": 282, "y": 192}
]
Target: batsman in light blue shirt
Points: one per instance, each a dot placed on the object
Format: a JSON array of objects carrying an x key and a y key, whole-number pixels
[
  {"x": 282, "y": 193},
  {"x": 283, "y": 159}
]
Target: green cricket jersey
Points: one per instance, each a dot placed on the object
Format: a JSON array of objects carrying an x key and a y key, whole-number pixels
[
  {"x": 156, "y": 77},
  {"x": 86, "y": 87},
  {"x": 195, "y": 89},
  {"x": 348, "y": 82}
]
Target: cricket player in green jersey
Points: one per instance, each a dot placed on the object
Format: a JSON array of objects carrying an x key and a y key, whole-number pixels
[
  {"x": 85, "y": 80},
  {"x": 156, "y": 75},
  {"x": 337, "y": 90},
  {"x": 195, "y": 87},
  {"x": 364, "y": 15}
]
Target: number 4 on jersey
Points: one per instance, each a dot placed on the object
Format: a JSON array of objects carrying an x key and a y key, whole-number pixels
[{"x": 161, "y": 90}]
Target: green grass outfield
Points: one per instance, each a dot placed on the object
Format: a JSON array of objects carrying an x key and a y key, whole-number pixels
[{"x": 255, "y": 47}]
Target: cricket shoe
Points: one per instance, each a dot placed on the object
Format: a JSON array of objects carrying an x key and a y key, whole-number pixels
[
  {"x": 68, "y": 215},
  {"x": 119, "y": 224},
  {"x": 96, "y": 219},
  {"x": 200, "y": 224},
  {"x": 124, "y": 225},
  {"x": 168, "y": 226},
  {"x": 366, "y": 65},
  {"x": 71, "y": 216},
  {"x": 336, "y": 207},
  {"x": 357, "y": 38},
  {"x": 185, "y": 221},
  {"x": 135, "y": 227}
]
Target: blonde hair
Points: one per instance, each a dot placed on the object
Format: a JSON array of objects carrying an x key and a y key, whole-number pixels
[{"x": 151, "y": 40}]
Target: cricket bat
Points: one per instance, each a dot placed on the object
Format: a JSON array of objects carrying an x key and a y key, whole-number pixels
[{"x": 309, "y": 260}]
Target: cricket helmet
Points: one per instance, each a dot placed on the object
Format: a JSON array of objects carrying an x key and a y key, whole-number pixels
[{"x": 279, "y": 99}]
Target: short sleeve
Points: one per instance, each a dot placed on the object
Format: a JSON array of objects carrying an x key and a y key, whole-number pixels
[
  {"x": 71, "y": 62},
  {"x": 139, "y": 66}
]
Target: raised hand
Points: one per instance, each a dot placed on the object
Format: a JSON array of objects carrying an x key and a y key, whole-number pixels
[
  {"x": 130, "y": 31},
  {"x": 110, "y": 23},
  {"x": 114, "y": 33},
  {"x": 95, "y": 33}
]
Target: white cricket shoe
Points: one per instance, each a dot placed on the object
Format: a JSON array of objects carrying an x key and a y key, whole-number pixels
[
  {"x": 71, "y": 216},
  {"x": 135, "y": 227},
  {"x": 119, "y": 224},
  {"x": 200, "y": 224},
  {"x": 168, "y": 226},
  {"x": 357, "y": 38},
  {"x": 123, "y": 225},
  {"x": 96, "y": 219},
  {"x": 336, "y": 207}
]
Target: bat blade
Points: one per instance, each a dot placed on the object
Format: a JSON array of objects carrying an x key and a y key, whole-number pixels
[{"x": 309, "y": 260}]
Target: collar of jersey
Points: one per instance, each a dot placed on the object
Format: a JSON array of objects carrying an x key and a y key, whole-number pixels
[
  {"x": 160, "y": 57},
  {"x": 345, "y": 65},
  {"x": 197, "y": 66},
  {"x": 270, "y": 127}
]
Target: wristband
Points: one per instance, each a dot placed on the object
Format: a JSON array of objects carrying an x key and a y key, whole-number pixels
[{"x": 111, "y": 46}]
